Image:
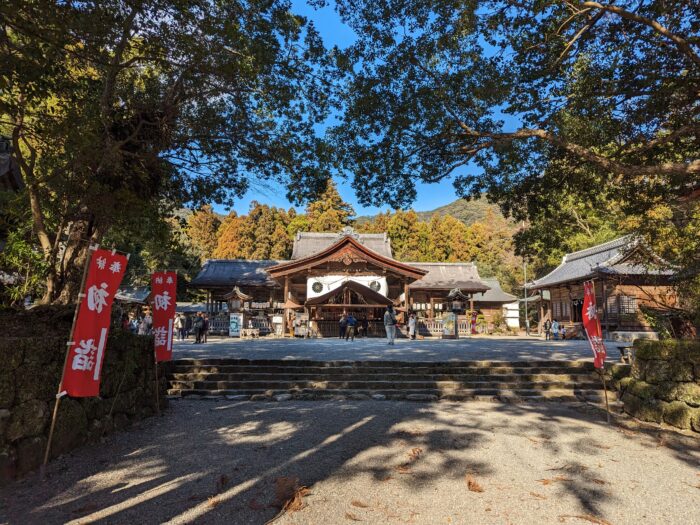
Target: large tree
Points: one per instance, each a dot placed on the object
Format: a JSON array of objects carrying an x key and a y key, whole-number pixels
[
  {"x": 329, "y": 212},
  {"x": 598, "y": 95},
  {"x": 119, "y": 108}
]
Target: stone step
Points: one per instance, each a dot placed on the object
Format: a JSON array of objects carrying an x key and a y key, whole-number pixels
[
  {"x": 350, "y": 370},
  {"x": 378, "y": 364},
  {"x": 374, "y": 385},
  {"x": 361, "y": 376},
  {"x": 425, "y": 394}
]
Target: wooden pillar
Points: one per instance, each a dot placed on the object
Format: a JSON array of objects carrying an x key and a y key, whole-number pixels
[
  {"x": 407, "y": 301},
  {"x": 284, "y": 300},
  {"x": 431, "y": 314},
  {"x": 606, "y": 322}
]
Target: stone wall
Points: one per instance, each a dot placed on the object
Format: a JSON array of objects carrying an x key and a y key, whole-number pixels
[
  {"x": 664, "y": 385},
  {"x": 29, "y": 375}
]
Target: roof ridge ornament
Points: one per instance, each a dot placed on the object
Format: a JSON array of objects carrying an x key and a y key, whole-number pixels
[{"x": 349, "y": 231}]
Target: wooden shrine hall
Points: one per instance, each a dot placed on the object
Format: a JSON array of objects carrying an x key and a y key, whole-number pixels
[{"x": 330, "y": 274}]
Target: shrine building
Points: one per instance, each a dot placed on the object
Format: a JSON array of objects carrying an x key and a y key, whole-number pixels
[{"x": 330, "y": 274}]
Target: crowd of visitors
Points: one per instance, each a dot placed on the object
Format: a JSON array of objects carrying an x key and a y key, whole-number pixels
[{"x": 184, "y": 325}]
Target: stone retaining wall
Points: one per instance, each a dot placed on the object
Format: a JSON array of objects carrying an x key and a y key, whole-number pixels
[
  {"x": 665, "y": 383},
  {"x": 29, "y": 375}
]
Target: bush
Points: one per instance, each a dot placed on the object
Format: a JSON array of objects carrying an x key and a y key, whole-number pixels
[{"x": 684, "y": 350}]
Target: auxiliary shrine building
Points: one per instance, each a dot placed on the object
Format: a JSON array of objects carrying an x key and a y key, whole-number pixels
[{"x": 333, "y": 273}]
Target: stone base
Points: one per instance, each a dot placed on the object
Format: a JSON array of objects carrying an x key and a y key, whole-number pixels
[{"x": 628, "y": 337}]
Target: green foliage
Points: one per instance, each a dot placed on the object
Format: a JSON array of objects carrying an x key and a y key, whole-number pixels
[
  {"x": 23, "y": 266},
  {"x": 119, "y": 108},
  {"x": 329, "y": 212},
  {"x": 684, "y": 350}
]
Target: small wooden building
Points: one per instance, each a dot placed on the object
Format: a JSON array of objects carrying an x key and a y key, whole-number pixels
[{"x": 628, "y": 279}]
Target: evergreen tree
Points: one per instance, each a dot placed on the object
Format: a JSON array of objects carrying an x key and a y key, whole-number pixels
[
  {"x": 330, "y": 213},
  {"x": 228, "y": 245},
  {"x": 203, "y": 231}
]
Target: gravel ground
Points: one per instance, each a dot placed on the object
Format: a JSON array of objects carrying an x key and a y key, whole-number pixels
[
  {"x": 372, "y": 349},
  {"x": 217, "y": 462}
]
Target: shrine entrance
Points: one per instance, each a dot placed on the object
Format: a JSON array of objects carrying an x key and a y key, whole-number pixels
[{"x": 351, "y": 297}]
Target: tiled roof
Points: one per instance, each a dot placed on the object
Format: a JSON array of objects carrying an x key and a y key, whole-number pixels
[
  {"x": 310, "y": 243},
  {"x": 464, "y": 276},
  {"x": 234, "y": 272},
  {"x": 610, "y": 257},
  {"x": 133, "y": 294},
  {"x": 495, "y": 294}
]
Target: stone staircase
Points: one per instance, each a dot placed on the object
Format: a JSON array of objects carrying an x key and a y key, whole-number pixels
[{"x": 419, "y": 381}]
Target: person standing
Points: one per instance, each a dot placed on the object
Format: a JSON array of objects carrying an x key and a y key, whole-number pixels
[
  {"x": 179, "y": 326},
  {"x": 412, "y": 321},
  {"x": 342, "y": 325},
  {"x": 365, "y": 326},
  {"x": 390, "y": 324},
  {"x": 197, "y": 325},
  {"x": 350, "y": 330},
  {"x": 188, "y": 326},
  {"x": 555, "y": 329},
  {"x": 205, "y": 327},
  {"x": 547, "y": 330}
]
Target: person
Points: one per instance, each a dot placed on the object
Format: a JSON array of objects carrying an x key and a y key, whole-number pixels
[
  {"x": 390, "y": 324},
  {"x": 188, "y": 326},
  {"x": 555, "y": 329},
  {"x": 547, "y": 329},
  {"x": 197, "y": 325},
  {"x": 205, "y": 327},
  {"x": 343, "y": 325},
  {"x": 412, "y": 326},
  {"x": 350, "y": 329},
  {"x": 179, "y": 325},
  {"x": 563, "y": 332},
  {"x": 365, "y": 326}
]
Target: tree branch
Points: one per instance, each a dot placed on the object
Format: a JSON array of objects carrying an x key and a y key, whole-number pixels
[{"x": 681, "y": 43}]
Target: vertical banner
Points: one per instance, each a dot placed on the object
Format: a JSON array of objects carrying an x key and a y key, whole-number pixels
[
  {"x": 164, "y": 293},
  {"x": 86, "y": 350},
  {"x": 592, "y": 324}
]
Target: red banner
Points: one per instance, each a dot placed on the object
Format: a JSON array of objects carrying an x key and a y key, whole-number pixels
[
  {"x": 86, "y": 351},
  {"x": 592, "y": 324},
  {"x": 164, "y": 295}
]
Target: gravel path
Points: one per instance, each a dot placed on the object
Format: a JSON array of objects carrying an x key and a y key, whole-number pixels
[
  {"x": 211, "y": 462},
  {"x": 465, "y": 349}
]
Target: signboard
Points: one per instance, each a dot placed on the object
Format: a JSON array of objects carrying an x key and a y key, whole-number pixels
[
  {"x": 449, "y": 326},
  {"x": 235, "y": 325}
]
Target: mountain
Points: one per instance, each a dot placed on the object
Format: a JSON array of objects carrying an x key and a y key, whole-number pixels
[{"x": 468, "y": 212}]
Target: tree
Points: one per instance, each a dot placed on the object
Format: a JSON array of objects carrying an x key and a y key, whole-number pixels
[
  {"x": 203, "y": 231},
  {"x": 329, "y": 213},
  {"x": 228, "y": 242},
  {"x": 602, "y": 90},
  {"x": 117, "y": 109}
]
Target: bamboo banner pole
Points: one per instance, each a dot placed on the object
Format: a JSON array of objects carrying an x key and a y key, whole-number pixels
[
  {"x": 60, "y": 392},
  {"x": 605, "y": 390},
  {"x": 157, "y": 385}
]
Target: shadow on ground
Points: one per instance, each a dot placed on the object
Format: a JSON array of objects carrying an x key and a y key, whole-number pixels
[{"x": 217, "y": 462}]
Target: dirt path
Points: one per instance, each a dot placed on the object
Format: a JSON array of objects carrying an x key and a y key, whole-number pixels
[{"x": 373, "y": 462}]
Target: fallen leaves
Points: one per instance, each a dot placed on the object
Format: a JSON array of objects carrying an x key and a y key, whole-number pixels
[
  {"x": 556, "y": 479},
  {"x": 537, "y": 496},
  {"x": 213, "y": 501},
  {"x": 571, "y": 468},
  {"x": 585, "y": 517},
  {"x": 289, "y": 495},
  {"x": 413, "y": 455},
  {"x": 352, "y": 517},
  {"x": 359, "y": 504},
  {"x": 473, "y": 485}
]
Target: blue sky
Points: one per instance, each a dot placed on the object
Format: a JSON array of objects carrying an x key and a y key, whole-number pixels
[
  {"x": 429, "y": 196},
  {"x": 334, "y": 32}
]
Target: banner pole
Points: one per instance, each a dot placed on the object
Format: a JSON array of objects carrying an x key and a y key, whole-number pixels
[
  {"x": 605, "y": 391},
  {"x": 60, "y": 394},
  {"x": 155, "y": 360}
]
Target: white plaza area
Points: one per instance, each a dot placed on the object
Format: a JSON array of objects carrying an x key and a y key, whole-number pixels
[{"x": 476, "y": 348}]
